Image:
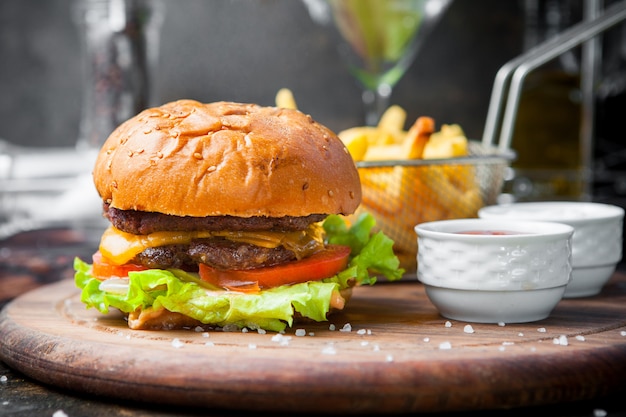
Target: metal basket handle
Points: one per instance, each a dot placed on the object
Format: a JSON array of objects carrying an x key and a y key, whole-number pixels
[{"x": 518, "y": 68}]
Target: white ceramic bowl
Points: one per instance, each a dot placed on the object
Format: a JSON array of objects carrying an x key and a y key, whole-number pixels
[
  {"x": 487, "y": 278},
  {"x": 597, "y": 240}
]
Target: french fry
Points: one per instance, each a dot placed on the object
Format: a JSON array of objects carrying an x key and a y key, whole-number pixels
[
  {"x": 285, "y": 100},
  {"x": 392, "y": 120},
  {"x": 417, "y": 137}
]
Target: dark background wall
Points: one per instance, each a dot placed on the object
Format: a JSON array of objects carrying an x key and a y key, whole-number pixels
[{"x": 245, "y": 50}]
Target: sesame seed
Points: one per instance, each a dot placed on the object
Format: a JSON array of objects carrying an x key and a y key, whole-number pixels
[
  {"x": 212, "y": 168},
  {"x": 197, "y": 155},
  {"x": 330, "y": 193}
]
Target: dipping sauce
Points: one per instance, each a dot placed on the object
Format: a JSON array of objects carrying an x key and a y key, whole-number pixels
[{"x": 490, "y": 232}]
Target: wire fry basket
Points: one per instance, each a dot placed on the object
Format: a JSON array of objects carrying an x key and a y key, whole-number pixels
[{"x": 402, "y": 194}]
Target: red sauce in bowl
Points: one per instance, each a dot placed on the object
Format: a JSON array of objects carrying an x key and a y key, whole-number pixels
[{"x": 490, "y": 232}]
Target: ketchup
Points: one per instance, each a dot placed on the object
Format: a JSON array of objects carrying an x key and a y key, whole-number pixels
[{"x": 490, "y": 232}]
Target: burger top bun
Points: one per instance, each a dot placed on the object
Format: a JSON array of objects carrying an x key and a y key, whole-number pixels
[{"x": 186, "y": 158}]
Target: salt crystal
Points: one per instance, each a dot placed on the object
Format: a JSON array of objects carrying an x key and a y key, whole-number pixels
[
  {"x": 329, "y": 350},
  {"x": 468, "y": 328},
  {"x": 331, "y": 327},
  {"x": 623, "y": 333},
  {"x": 501, "y": 324},
  {"x": 427, "y": 339},
  {"x": 198, "y": 329},
  {"x": 261, "y": 331},
  {"x": 177, "y": 343},
  {"x": 376, "y": 348},
  {"x": 3, "y": 378},
  {"x": 598, "y": 412},
  {"x": 346, "y": 328},
  {"x": 5, "y": 403},
  {"x": 365, "y": 343},
  {"x": 448, "y": 324},
  {"x": 251, "y": 346},
  {"x": 541, "y": 330},
  {"x": 361, "y": 331},
  {"x": 389, "y": 358},
  {"x": 205, "y": 334},
  {"x": 282, "y": 340},
  {"x": 369, "y": 331},
  {"x": 311, "y": 334},
  {"x": 501, "y": 348},
  {"x": 445, "y": 346},
  {"x": 561, "y": 340},
  {"x": 508, "y": 343},
  {"x": 300, "y": 332},
  {"x": 59, "y": 413},
  {"x": 580, "y": 338},
  {"x": 520, "y": 334},
  {"x": 244, "y": 330},
  {"x": 209, "y": 344}
]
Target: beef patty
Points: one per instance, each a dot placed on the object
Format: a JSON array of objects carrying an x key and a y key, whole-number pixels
[
  {"x": 219, "y": 253},
  {"x": 143, "y": 223}
]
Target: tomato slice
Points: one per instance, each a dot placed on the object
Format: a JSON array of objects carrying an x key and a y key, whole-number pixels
[
  {"x": 320, "y": 265},
  {"x": 103, "y": 269}
]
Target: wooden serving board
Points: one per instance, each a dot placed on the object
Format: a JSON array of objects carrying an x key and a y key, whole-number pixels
[{"x": 399, "y": 356}]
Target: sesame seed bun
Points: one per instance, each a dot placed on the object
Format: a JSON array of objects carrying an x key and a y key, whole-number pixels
[{"x": 187, "y": 158}]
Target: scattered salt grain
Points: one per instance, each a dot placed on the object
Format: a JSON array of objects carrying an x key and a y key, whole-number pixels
[
  {"x": 3, "y": 378},
  {"x": 361, "y": 331},
  {"x": 389, "y": 358},
  {"x": 311, "y": 334},
  {"x": 329, "y": 350},
  {"x": 198, "y": 329},
  {"x": 365, "y": 343},
  {"x": 541, "y": 330},
  {"x": 598, "y": 412},
  {"x": 520, "y": 334},
  {"x": 533, "y": 349},
  {"x": 251, "y": 346},
  {"x": 177, "y": 343},
  {"x": 508, "y": 343},
  {"x": 331, "y": 327},
  {"x": 205, "y": 334},
  {"x": 623, "y": 333},
  {"x": 346, "y": 328},
  {"x": 209, "y": 344},
  {"x": 59, "y": 413},
  {"x": 468, "y": 328},
  {"x": 580, "y": 338},
  {"x": 244, "y": 330},
  {"x": 561, "y": 340},
  {"x": 501, "y": 348},
  {"x": 230, "y": 328},
  {"x": 445, "y": 346},
  {"x": 282, "y": 340},
  {"x": 261, "y": 331},
  {"x": 300, "y": 332},
  {"x": 427, "y": 339},
  {"x": 501, "y": 324},
  {"x": 5, "y": 403},
  {"x": 376, "y": 348},
  {"x": 448, "y": 324}
]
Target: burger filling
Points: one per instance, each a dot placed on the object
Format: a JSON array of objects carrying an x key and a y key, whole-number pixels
[{"x": 249, "y": 278}]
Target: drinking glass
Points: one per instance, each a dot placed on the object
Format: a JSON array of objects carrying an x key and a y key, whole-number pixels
[{"x": 378, "y": 40}]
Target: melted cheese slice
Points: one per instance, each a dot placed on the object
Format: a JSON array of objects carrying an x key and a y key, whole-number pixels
[{"x": 121, "y": 247}]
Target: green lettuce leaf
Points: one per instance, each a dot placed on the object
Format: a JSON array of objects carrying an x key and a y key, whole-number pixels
[{"x": 273, "y": 309}]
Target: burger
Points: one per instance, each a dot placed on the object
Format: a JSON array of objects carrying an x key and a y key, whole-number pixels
[{"x": 229, "y": 215}]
